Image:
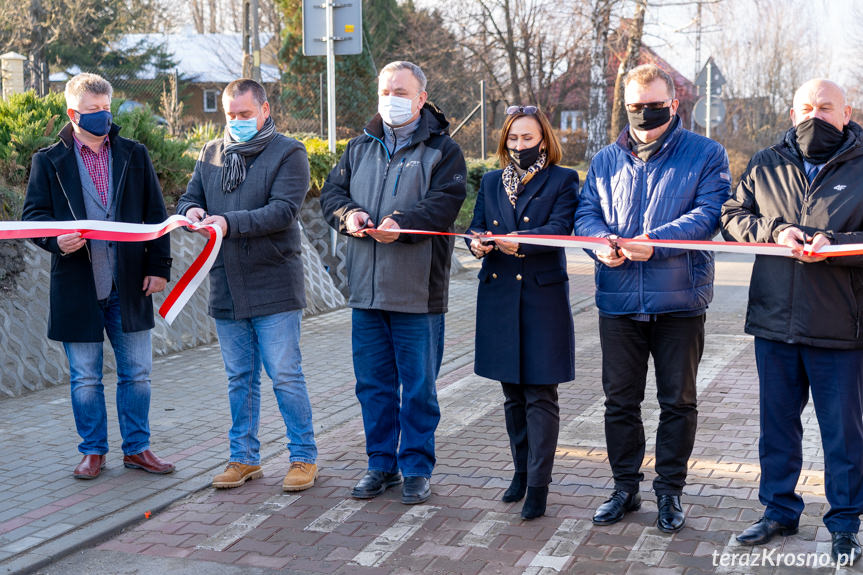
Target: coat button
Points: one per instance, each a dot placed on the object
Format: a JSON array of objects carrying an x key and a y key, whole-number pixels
[
  {"x": 494, "y": 276},
  {"x": 526, "y": 219},
  {"x": 494, "y": 222},
  {"x": 518, "y": 277}
]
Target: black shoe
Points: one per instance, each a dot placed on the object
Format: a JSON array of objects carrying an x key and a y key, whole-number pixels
[
  {"x": 416, "y": 490},
  {"x": 534, "y": 503},
  {"x": 845, "y": 548},
  {"x": 616, "y": 506},
  {"x": 374, "y": 483},
  {"x": 671, "y": 517},
  {"x": 516, "y": 489},
  {"x": 764, "y": 530}
]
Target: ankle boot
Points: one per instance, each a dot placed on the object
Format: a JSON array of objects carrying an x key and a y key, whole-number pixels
[
  {"x": 534, "y": 503},
  {"x": 516, "y": 489}
]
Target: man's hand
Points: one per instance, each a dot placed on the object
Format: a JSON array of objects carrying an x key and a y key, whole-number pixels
[
  {"x": 153, "y": 284},
  {"x": 69, "y": 243},
  {"x": 638, "y": 252},
  {"x": 612, "y": 258},
  {"x": 507, "y": 247},
  {"x": 215, "y": 220},
  {"x": 196, "y": 214},
  {"x": 478, "y": 248},
  {"x": 387, "y": 232},
  {"x": 357, "y": 223},
  {"x": 795, "y": 239}
]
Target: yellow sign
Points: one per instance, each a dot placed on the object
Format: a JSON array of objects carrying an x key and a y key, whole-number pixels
[{"x": 349, "y": 28}]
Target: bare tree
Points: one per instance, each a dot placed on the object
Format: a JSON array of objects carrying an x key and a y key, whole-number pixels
[
  {"x": 628, "y": 61},
  {"x": 597, "y": 126}
]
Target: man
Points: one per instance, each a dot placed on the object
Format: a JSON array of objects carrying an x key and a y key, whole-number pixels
[
  {"x": 403, "y": 172},
  {"x": 663, "y": 182},
  {"x": 251, "y": 183},
  {"x": 100, "y": 287},
  {"x": 805, "y": 311}
]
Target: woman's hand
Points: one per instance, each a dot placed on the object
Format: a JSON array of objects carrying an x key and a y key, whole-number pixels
[
  {"x": 478, "y": 248},
  {"x": 507, "y": 247}
]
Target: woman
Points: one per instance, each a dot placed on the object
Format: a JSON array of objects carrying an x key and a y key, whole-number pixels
[{"x": 524, "y": 331}]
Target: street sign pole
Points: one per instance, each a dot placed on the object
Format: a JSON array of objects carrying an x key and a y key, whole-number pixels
[
  {"x": 331, "y": 78},
  {"x": 709, "y": 95}
]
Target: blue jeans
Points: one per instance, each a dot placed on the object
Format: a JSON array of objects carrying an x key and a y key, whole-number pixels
[
  {"x": 134, "y": 361},
  {"x": 274, "y": 341},
  {"x": 397, "y": 357},
  {"x": 786, "y": 374}
]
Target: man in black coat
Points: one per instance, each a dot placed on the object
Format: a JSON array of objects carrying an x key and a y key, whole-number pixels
[
  {"x": 805, "y": 311},
  {"x": 97, "y": 286}
]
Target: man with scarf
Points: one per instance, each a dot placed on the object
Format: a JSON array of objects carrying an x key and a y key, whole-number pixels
[
  {"x": 663, "y": 182},
  {"x": 251, "y": 183},
  {"x": 806, "y": 312}
]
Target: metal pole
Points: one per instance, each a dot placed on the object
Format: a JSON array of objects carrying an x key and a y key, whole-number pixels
[
  {"x": 247, "y": 60},
  {"x": 482, "y": 118},
  {"x": 256, "y": 43},
  {"x": 331, "y": 97},
  {"x": 321, "y": 100},
  {"x": 709, "y": 96}
]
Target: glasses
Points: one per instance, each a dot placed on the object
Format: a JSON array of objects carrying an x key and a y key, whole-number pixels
[
  {"x": 646, "y": 105},
  {"x": 530, "y": 110}
]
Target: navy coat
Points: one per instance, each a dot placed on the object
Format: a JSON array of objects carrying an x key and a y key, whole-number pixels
[{"x": 524, "y": 330}]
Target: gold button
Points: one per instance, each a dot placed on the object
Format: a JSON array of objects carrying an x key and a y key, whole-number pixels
[
  {"x": 494, "y": 222},
  {"x": 518, "y": 277},
  {"x": 526, "y": 219},
  {"x": 494, "y": 276}
]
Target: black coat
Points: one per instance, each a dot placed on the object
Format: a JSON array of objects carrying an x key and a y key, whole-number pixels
[
  {"x": 54, "y": 194},
  {"x": 524, "y": 330}
]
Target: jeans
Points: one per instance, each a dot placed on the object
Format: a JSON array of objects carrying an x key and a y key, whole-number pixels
[
  {"x": 786, "y": 374},
  {"x": 397, "y": 357},
  {"x": 532, "y": 415},
  {"x": 134, "y": 361},
  {"x": 676, "y": 344},
  {"x": 274, "y": 341}
]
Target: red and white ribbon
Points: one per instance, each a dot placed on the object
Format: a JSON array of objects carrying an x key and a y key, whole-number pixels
[{"x": 126, "y": 232}]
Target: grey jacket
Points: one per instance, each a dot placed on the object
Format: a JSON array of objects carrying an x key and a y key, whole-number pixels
[
  {"x": 420, "y": 186},
  {"x": 259, "y": 270}
]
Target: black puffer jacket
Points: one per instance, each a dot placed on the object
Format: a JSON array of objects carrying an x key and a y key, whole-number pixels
[{"x": 818, "y": 304}]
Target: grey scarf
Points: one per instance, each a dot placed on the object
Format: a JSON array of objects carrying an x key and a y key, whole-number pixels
[{"x": 234, "y": 162}]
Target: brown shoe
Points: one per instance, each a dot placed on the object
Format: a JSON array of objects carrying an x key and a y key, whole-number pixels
[
  {"x": 300, "y": 476},
  {"x": 148, "y": 461},
  {"x": 236, "y": 474},
  {"x": 90, "y": 467}
]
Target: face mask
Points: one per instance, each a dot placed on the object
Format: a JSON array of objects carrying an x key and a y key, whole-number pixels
[
  {"x": 818, "y": 140},
  {"x": 525, "y": 158},
  {"x": 243, "y": 130},
  {"x": 97, "y": 123},
  {"x": 395, "y": 110},
  {"x": 647, "y": 119}
]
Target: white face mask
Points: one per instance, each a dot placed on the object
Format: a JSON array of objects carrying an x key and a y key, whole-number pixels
[{"x": 395, "y": 110}]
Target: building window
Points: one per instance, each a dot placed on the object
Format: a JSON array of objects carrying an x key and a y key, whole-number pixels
[{"x": 211, "y": 100}]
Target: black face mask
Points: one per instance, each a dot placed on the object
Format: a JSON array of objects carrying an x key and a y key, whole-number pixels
[
  {"x": 525, "y": 158},
  {"x": 647, "y": 119},
  {"x": 818, "y": 140}
]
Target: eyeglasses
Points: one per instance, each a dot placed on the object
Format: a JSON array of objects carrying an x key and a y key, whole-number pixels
[
  {"x": 530, "y": 110},
  {"x": 648, "y": 105}
]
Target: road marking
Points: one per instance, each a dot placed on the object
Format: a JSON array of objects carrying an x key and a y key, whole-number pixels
[
  {"x": 649, "y": 548},
  {"x": 234, "y": 531},
  {"x": 466, "y": 401},
  {"x": 484, "y": 532},
  {"x": 559, "y": 549},
  {"x": 335, "y": 516},
  {"x": 390, "y": 540}
]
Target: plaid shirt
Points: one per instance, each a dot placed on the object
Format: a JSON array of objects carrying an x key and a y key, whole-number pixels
[{"x": 97, "y": 166}]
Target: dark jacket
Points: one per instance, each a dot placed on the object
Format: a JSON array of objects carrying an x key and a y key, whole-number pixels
[
  {"x": 818, "y": 304},
  {"x": 676, "y": 195},
  {"x": 422, "y": 187},
  {"x": 524, "y": 331},
  {"x": 259, "y": 270},
  {"x": 54, "y": 194}
]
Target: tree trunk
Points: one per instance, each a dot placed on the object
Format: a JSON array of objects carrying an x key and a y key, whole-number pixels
[
  {"x": 597, "y": 127},
  {"x": 619, "y": 119},
  {"x": 512, "y": 56},
  {"x": 37, "y": 49}
]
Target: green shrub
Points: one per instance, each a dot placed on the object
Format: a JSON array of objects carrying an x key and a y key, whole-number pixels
[
  {"x": 476, "y": 169},
  {"x": 321, "y": 161},
  {"x": 27, "y": 123},
  {"x": 200, "y": 134}
]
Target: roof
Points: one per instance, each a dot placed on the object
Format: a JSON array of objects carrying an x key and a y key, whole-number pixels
[{"x": 203, "y": 58}]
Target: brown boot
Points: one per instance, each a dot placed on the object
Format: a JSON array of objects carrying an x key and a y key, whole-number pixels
[
  {"x": 236, "y": 474},
  {"x": 301, "y": 476},
  {"x": 90, "y": 467}
]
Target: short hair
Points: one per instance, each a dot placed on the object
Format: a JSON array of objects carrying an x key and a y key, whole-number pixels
[
  {"x": 553, "y": 149},
  {"x": 243, "y": 85},
  {"x": 404, "y": 65},
  {"x": 88, "y": 83},
  {"x": 646, "y": 74}
]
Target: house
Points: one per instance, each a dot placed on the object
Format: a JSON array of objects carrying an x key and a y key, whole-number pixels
[{"x": 204, "y": 64}]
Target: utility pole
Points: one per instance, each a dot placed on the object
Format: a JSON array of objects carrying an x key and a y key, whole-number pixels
[{"x": 256, "y": 42}]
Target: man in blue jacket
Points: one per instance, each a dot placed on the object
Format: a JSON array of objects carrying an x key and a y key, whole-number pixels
[{"x": 656, "y": 181}]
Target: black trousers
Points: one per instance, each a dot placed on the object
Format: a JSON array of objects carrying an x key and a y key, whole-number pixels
[
  {"x": 676, "y": 344},
  {"x": 532, "y": 423}
]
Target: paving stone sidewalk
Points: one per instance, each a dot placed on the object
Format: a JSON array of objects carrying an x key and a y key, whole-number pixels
[{"x": 463, "y": 528}]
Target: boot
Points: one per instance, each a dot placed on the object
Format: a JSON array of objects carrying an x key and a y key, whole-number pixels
[{"x": 516, "y": 489}]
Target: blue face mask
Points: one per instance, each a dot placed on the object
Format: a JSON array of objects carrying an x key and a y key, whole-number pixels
[
  {"x": 97, "y": 123},
  {"x": 243, "y": 130}
]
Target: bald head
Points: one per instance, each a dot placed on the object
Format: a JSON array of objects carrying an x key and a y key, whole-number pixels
[{"x": 820, "y": 98}]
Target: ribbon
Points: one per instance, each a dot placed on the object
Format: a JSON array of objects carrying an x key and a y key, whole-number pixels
[{"x": 126, "y": 232}]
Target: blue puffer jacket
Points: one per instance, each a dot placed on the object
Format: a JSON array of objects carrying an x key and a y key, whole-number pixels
[{"x": 676, "y": 195}]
